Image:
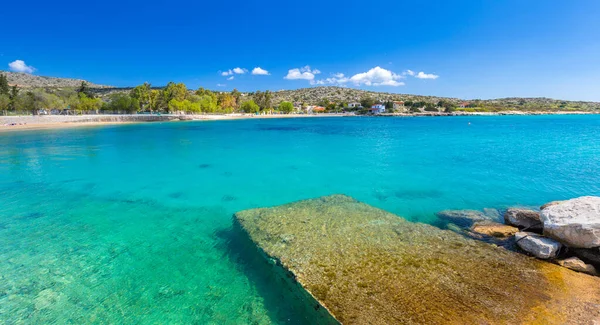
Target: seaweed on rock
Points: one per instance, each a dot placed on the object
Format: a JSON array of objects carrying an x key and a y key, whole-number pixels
[{"x": 365, "y": 265}]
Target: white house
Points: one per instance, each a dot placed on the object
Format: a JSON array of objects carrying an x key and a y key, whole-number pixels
[
  {"x": 354, "y": 105},
  {"x": 377, "y": 109}
]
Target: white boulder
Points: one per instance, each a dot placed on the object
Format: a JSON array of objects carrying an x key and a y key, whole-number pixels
[
  {"x": 537, "y": 245},
  {"x": 575, "y": 223}
]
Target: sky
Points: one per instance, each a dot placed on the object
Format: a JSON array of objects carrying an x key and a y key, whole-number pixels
[{"x": 465, "y": 49}]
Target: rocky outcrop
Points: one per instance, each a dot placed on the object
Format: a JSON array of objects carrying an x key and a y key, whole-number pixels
[
  {"x": 576, "y": 222},
  {"x": 576, "y": 264},
  {"x": 538, "y": 246},
  {"x": 364, "y": 265},
  {"x": 523, "y": 218}
]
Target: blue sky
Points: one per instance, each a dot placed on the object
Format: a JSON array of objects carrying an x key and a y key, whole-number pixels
[{"x": 473, "y": 49}]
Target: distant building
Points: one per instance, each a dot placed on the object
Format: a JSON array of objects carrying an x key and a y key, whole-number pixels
[
  {"x": 377, "y": 109},
  {"x": 399, "y": 106},
  {"x": 315, "y": 109},
  {"x": 464, "y": 105},
  {"x": 354, "y": 105}
]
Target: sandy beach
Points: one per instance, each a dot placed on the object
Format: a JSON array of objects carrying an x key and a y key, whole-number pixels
[{"x": 40, "y": 122}]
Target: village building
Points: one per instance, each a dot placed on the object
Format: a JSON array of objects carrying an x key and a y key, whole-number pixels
[
  {"x": 399, "y": 107},
  {"x": 377, "y": 109}
]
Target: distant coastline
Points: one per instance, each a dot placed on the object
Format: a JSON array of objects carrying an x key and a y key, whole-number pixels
[{"x": 40, "y": 122}]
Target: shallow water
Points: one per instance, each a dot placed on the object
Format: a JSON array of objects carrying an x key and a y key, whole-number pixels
[{"x": 132, "y": 224}]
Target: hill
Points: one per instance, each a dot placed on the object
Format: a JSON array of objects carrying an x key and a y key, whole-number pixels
[
  {"x": 315, "y": 95},
  {"x": 26, "y": 80},
  {"x": 330, "y": 94}
]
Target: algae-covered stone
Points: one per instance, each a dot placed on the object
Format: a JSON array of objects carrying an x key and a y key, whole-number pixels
[
  {"x": 463, "y": 218},
  {"x": 367, "y": 266},
  {"x": 494, "y": 229},
  {"x": 578, "y": 265}
]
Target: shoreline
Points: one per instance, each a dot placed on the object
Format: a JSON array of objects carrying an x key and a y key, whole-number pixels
[{"x": 45, "y": 122}]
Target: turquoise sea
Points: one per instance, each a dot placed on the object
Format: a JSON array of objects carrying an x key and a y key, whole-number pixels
[{"x": 132, "y": 224}]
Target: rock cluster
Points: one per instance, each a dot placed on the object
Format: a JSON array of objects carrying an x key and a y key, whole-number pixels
[
  {"x": 564, "y": 232},
  {"x": 352, "y": 263}
]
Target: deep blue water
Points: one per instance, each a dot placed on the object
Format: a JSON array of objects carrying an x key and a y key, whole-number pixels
[{"x": 132, "y": 224}]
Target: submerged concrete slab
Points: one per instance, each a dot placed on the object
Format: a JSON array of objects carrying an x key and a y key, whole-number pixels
[{"x": 367, "y": 266}]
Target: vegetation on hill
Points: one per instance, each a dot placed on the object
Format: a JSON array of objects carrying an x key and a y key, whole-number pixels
[
  {"x": 83, "y": 97},
  {"x": 25, "y": 80}
]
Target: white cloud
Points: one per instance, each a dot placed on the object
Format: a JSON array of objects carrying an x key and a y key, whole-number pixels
[
  {"x": 221, "y": 85},
  {"x": 20, "y": 66},
  {"x": 259, "y": 71},
  {"x": 304, "y": 73},
  {"x": 231, "y": 78},
  {"x": 423, "y": 75},
  {"x": 239, "y": 70},
  {"x": 377, "y": 77},
  {"x": 337, "y": 79},
  {"x": 409, "y": 72}
]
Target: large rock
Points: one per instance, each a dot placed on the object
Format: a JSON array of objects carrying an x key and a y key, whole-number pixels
[
  {"x": 366, "y": 266},
  {"x": 493, "y": 229},
  {"x": 575, "y": 223},
  {"x": 538, "y": 246},
  {"x": 463, "y": 218},
  {"x": 578, "y": 265},
  {"x": 523, "y": 218}
]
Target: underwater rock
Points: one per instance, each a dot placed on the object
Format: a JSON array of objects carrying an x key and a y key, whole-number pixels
[
  {"x": 523, "y": 218},
  {"x": 463, "y": 218},
  {"x": 494, "y": 229},
  {"x": 537, "y": 245},
  {"x": 363, "y": 265},
  {"x": 492, "y": 213},
  {"x": 576, "y": 264},
  {"x": 575, "y": 223}
]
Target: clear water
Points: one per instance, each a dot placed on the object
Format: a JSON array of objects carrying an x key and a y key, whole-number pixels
[{"x": 132, "y": 224}]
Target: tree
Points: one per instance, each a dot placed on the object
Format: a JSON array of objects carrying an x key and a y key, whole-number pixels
[
  {"x": 154, "y": 100},
  {"x": 120, "y": 102},
  {"x": 142, "y": 94},
  {"x": 14, "y": 96},
  {"x": 174, "y": 91},
  {"x": 237, "y": 96},
  {"x": 286, "y": 107},
  {"x": 4, "y": 103},
  {"x": 226, "y": 102},
  {"x": 208, "y": 103},
  {"x": 4, "y": 87},
  {"x": 26, "y": 102},
  {"x": 85, "y": 104},
  {"x": 367, "y": 102},
  {"x": 250, "y": 107},
  {"x": 85, "y": 89},
  {"x": 263, "y": 99}
]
